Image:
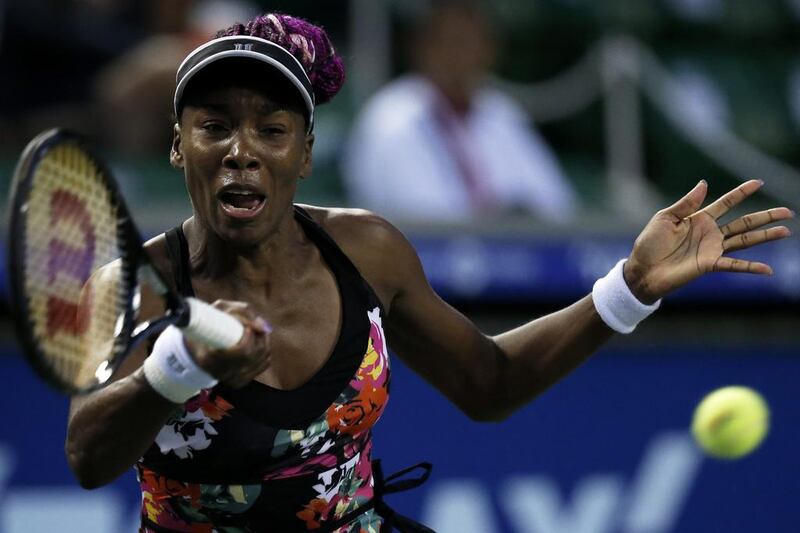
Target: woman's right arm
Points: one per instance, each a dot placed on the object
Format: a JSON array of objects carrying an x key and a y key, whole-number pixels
[{"x": 111, "y": 428}]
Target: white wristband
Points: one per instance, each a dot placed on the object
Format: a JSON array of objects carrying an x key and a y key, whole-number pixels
[
  {"x": 616, "y": 304},
  {"x": 171, "y": 370}
]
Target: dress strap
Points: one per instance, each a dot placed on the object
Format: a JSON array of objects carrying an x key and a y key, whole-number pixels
[
  {"x": 178, "y": 251},
  {"x": 392, "y": 519},
  {"x": 385, "y": 486}
]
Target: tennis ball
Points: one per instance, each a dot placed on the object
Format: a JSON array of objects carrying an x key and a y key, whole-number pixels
[{"x": 730, "y": 422}]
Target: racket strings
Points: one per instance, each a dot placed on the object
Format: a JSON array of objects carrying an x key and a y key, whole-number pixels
[{"x": 71, "y": 232}]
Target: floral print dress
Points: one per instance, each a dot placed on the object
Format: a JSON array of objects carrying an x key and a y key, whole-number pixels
[{"x": 259, "y": 459}]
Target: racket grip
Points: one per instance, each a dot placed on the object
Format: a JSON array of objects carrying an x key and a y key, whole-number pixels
[{"x": 212, "y": 327}]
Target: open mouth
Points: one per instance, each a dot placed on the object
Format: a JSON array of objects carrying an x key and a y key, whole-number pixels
[{"x": 241, "y": 203}]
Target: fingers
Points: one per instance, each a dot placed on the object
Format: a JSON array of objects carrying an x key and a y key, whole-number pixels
[
  {"x": 731, "y": 264},
  {"x": 731, "y": 199},
  {"x": 690, "y": 203},
  {"x": 752, "y": 238},
  {"x": 246, "y": 315},
  {"x": 249, "y": 360},
  {"x": 755, "y": 220},
  {"x": 239, "y": 365}
]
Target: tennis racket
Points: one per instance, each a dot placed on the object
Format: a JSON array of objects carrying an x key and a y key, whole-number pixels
[{"x": 67, "y": 221}]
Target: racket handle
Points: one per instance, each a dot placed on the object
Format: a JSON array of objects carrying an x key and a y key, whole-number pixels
[{"x": 212, "y": 327}]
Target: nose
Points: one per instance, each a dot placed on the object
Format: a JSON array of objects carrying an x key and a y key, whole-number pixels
[{"x": 242, "y": 154}]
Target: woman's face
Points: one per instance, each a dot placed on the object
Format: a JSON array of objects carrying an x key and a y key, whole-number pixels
[{"x": 242, "y": 154}]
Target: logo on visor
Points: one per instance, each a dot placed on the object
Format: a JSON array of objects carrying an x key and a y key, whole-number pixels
[{"x": 242, "y": 46}]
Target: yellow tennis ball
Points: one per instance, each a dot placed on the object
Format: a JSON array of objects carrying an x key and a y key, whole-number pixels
[{"x": 731, "y": 422}]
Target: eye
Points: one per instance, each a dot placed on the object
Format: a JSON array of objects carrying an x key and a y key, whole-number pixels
[
  {"x": 213, "y": 127},
  {"x": 274, "y": 130}
]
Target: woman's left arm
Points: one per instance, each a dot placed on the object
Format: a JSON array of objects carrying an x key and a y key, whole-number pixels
[
  {"x": 486, "y": 377},
  {"x": 490, "y": 377}
]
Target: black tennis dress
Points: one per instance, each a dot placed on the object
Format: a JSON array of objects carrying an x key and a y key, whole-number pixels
[{"x": 259, "y": 459}]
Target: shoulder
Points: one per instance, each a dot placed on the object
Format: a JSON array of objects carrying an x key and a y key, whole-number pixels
[
  {"x": 397, "y": 102},
  {"x": 108, "y": 275},
  {"x": 357, "y": 229},
  {"x": 408, "y": 88},
  {"x": 496, "y": 103},
  {"x": 159, "y": 257},
  {"x": 156, "y": 249},
  {"x": 106, "y": 278},
  {"x": 380, "y": 251}
]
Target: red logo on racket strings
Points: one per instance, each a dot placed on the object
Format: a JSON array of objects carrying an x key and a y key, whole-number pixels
[{"x": 76, "y": 262}]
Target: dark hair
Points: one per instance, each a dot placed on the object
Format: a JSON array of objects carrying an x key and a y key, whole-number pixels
[{"x": 305, "y": 41}]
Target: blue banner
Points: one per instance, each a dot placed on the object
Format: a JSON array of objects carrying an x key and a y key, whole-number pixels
[
  {"x": 502, "y": 269},
  {"x": 605, "y": 451}
]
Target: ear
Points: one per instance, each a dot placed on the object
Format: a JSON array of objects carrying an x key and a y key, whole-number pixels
[
  {"x": 308, "y": 163},
  {"x": 176, "y": 153}
]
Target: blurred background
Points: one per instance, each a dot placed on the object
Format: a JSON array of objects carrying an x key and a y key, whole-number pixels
[{"x": 521, "y": 145}]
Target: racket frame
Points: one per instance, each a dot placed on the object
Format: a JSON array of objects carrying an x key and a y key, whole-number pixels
[{"x": 134, "y": 261}]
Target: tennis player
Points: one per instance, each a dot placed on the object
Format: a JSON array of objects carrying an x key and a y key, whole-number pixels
[{"x": 274, "y": 434}]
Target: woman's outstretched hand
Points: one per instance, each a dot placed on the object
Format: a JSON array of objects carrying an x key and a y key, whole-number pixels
[{"x": 683, "y": 241}]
